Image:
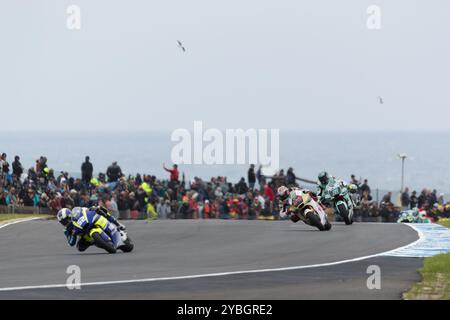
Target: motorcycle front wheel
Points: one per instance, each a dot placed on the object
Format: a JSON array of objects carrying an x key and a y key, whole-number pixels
[
  {"x": 343, "y": 211},
  {"x": 128, "y": 245}
]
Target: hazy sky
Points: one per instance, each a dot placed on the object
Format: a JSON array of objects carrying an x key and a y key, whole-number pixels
[{"x": 249, "y": 64}]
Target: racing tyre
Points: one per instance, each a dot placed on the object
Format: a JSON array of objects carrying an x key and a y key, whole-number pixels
[
  {"x": 101, "y": 243},
  {"x": 314, "y": 221},
  {"x": 344, "y": 214},
  {"x": 327, "y": 226},
  {"x": 128, "y": 246}
]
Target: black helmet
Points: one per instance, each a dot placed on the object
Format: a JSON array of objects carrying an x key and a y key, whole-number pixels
[{"x": 323, "y": 177}]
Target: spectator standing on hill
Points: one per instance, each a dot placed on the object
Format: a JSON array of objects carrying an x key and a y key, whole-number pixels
[
  {"x": 17, "y": 167},
  {"x": 260, "y": 177},
  {"x": 432, "y": 198},
  {"x": 413, "y": 201},
  {"x": 174, "y": 173},
  {"x": 387, "y": 198},
  {"x": 4, "y": 169},
  {"x": 241, "y": 187},
  {"x": 1, "y": 171},
  {"x": 353, "y": 180},
  {"x": 114, "y": 172},
  {"x": 86, "y": 170},
  {"x": 42, "y": 169},
  {"x": 365, "y": 187},
  {"x": 422, "y": 199},
  {"x": 251, "y": 176},
  {"x": 405, "y": 199},
  {"x": 290, "y": 177}
]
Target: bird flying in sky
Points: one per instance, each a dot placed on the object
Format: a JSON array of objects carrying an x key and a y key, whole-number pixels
[
  {"x": 181, "y": 46},
  {"x": 381, "y": 100}
]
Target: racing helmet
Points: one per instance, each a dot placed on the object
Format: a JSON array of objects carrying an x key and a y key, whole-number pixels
[
  {"x": 422, "y": 214},
  {"x": 323, "y": 177},
  {"x": 77, "y": 211},
  {"x": 64, "y": 216},
  {"x": 283, "y": 193}
]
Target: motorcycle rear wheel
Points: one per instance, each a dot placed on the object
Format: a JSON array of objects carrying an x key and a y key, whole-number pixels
[{"x": 102, "y": 244}]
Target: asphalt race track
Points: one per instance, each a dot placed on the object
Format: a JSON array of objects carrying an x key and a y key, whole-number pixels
[{"x": 35, "y": 253}]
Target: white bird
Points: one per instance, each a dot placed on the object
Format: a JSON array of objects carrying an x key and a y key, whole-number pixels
[{"x": 181, "y": 46}]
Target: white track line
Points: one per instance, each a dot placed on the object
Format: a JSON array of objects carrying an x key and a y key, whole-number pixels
[
  {"x": 17, "y": 221},
  {"x": 208, "y": 275}
]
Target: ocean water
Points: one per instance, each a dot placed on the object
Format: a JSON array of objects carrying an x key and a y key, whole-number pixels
[{"x": 367, "y": 155}]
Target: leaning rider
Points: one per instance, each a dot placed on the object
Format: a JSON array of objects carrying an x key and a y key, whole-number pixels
[
  {"x": 325, "y": 179},
  {"x": 287, "y": 198},
  {"x": 74, "y": 231}
]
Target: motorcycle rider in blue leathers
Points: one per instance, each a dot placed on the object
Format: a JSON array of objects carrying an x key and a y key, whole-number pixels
[{"x": 79, "y": 222}]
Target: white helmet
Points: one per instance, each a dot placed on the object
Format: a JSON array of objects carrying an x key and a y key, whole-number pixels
[
  {"x": 283, "y": 193},
  {"x": 64, "y": 215},
  {"x": 423, "y": 214}
]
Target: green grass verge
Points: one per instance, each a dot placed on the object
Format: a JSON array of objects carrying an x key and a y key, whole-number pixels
[
  {"x": 4, "y": 217},
  {"x": 445, "y": 222},
  {"x": 435, "y": 284}
]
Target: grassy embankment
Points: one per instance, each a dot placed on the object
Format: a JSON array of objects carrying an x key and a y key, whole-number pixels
[{"x": 435, "y": 284}]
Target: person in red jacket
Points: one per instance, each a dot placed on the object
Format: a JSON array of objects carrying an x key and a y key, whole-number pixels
[
  {"x": 173, "y": 172},
  {"x": 268, "y": 192}
]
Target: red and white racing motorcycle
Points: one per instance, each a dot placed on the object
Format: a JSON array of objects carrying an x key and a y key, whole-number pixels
[{"x": 302, "y": 205}]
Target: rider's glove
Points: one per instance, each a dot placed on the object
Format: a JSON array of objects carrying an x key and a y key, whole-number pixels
[
  {"x": 67, "y": 233},
  {"x": 71, "y": 239}
]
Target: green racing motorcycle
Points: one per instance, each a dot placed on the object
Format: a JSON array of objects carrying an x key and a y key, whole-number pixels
[{"x": 337, "y": 196}]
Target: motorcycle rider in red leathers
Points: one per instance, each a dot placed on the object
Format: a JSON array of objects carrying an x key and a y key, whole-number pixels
[{"x": 291, "y": 198}]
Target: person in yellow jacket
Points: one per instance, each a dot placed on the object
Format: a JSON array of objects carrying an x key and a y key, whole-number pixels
[
  {"x": 146, "y": 187},
  {"x": 151, "y": 212},
  {"x": 95, "y": 182}
]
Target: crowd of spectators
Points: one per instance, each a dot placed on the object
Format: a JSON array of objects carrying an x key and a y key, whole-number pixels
[
  {"x": 147, "y": 196},
  {"x": 389, "y": 209},
  {"x": 137, "y": 196}
]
